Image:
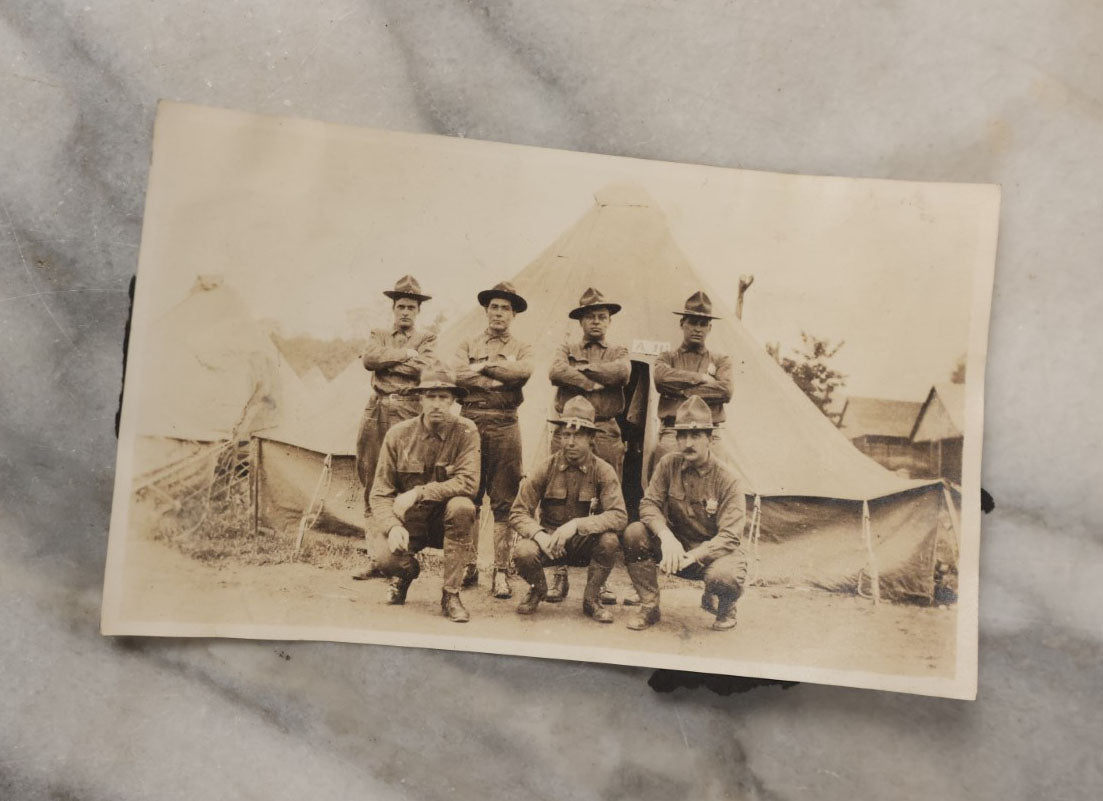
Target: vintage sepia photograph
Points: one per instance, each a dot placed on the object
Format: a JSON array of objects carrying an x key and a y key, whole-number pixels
[{"x": 422, "y": 391}]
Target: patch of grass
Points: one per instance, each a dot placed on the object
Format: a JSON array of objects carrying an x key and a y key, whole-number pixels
[{"x": 221, "y": 533}]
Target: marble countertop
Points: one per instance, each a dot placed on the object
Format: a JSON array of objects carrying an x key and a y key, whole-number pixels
[{"x": 1004, "y": 92}]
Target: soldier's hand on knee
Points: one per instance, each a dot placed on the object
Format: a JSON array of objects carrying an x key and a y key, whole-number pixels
[
  {"x": 398, "y": 539},
  {"x": 561, "y": 536},
  {"x": 404, "y": 501},
  {"x": 673, "y": 554},
  {"x": 544, "y": 540}
]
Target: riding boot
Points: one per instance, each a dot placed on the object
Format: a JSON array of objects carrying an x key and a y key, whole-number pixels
[
  {"x": 559, "y": 586},
  {"x": 503, "y": 551},
  {"x": 725, "y": 613},
  {"x": 396, "y": 592},
  {"x": 538, "y": 591},
  {"x": 591, "y": 598},
  {"x": 452, "y": 607},
  {"x": 471, "y": 569},
  {"x": 645, "y": 578}
]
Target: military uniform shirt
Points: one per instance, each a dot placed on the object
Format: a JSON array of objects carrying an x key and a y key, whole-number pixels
[
  {"x": 386, "y": 356},
  {"x": 681, "y": 372},
  {"x": 510, "y": 367},
  {"x": 445, "y": 464},
  {"x": 562, "y": 492},
  {"x": 705, "y": 508},
  {"x": 612, "y": 370}
]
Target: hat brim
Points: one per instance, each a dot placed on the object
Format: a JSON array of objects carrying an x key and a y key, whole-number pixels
[
  {"x": 519, "y": 303},
  {"x": 580, "y": 423},
  {"x": 459, "y": 392},
  {"x": 390, "y": 293},
  {"x": 581, "y": 310},
  {"x": 697, "y": 314},
  {"x": 695, "y": 427}
]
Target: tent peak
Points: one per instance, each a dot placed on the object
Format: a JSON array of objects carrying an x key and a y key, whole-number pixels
[{"x": 623, "y": 195}]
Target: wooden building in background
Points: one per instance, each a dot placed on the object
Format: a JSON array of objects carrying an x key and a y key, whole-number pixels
[
  {"x": 939, "y": 429},
  {"x": 881, "y": 429}
]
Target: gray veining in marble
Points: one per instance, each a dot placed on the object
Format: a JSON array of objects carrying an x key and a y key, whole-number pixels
[{"x": 1007, "y": 91}]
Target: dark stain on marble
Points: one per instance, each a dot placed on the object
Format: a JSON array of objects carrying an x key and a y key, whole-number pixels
[
  {"x": 987, "y": 502},
  {"x": 666, "y": 681}
]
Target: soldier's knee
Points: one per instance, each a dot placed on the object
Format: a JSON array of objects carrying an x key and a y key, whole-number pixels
[
  {"x": 525, "y": 552},
  {"x": 605, "y": 551},
  {"x": 636, "y": 542},
  {"x": 459, "y": 509},
  {"x": 726, "y": 575}
]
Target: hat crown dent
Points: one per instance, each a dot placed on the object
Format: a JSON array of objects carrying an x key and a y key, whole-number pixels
[
  {"x": 693, "y": 414},
  {"x": 578, "y": 413},
  {"x": 699, "y": 304},
  {"x": 407, "y": 286}
]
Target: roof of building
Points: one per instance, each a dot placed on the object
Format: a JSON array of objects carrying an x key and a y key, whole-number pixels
[{"x": 880, "y": 417}]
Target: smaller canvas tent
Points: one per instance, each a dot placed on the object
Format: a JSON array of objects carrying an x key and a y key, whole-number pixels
[
  {"x": 306, "y": 465},
  {"x": 209, "y": 379},
  {"x": 940, "y": 429}
]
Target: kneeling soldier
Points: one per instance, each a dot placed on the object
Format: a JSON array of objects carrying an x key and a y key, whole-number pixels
[
  {"x": 428, "y": 472},
  {"x": 692, "y": 518},
  {"x": 581, "y": 513}
]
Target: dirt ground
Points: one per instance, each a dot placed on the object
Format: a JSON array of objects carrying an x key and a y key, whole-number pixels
[{"x": 778, "y": 625}]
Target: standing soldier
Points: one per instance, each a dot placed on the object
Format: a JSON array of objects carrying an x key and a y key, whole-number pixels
[
  {"x": 597, "y": 371},
  {"x": 421, "y": 497},
  {"x": 493, "y": 367},
  {"x": 576, "y": 496},
  {"x": 396, "y": 357},
  {"x": 691, "y": 523},
  {"x": 691, "y": 370}
]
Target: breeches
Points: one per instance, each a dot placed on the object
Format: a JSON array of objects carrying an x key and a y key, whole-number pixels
[
  {"x": 601, "y": 549},
  {"x": 723, "y": 576},
  {"x": 500, "y": 471},
  {"x": 444, "y": 525}
]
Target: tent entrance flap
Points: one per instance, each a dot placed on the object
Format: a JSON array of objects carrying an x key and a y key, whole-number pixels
[{"x": 633, "y": 431}]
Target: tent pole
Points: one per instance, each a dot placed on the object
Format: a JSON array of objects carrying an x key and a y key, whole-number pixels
[
  {"x": 874, "y": 575},
  {"x": 951, "y": 511},
  {"x": 756, "y": 530}
]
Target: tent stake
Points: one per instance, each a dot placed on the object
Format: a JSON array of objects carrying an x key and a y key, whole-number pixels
[{"x": 874, "y": 575}]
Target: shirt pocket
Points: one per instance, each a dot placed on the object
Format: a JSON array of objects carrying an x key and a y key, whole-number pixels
[{"x": 410, "y": 465}]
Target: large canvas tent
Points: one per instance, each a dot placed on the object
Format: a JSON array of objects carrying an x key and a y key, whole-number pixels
[{"x": 810, "y": 485}]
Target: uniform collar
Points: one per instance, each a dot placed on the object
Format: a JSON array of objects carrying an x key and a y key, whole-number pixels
[
  {"x": 684, "y": 348},
  {"x": 489, "y": 335},
  {"x": 427, "y": 431},
  {"x": 407, "y": 333},
  {"x": 599, "y": 342},
  {"x": 563, "y": 465}
]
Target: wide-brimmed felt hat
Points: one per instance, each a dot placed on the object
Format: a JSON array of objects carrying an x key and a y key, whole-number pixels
[
  {"x": 698, "y": 305},
  {"x": 506, "y": 291},
  {"x": 578, "y": 413},
  {"x": 407, "y": 287},
  {"x": 438, "y": 377},
  {"x": 693, "y": 415},
  {"x": 593, "y": 299}
]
